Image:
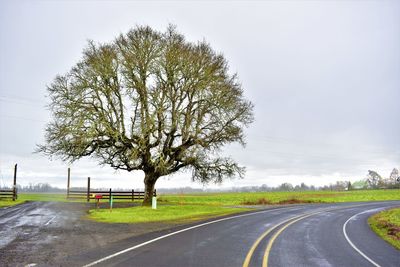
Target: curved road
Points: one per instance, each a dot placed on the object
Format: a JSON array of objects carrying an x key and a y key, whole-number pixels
[{"x": 304, "y": 235}]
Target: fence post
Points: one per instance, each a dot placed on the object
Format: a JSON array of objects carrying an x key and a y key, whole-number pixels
[
  {"x": 109, "y": 197},
  {"x": 68, "y": 181},
  {"x": 133, "y": 195},
  {"x": 15, "y": 183},
  {"x": 88, "y": 189}
]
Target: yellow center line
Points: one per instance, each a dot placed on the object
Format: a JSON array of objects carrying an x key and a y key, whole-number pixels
[
  {"x": 254, "y": 246},
  {"x": 271, "y": 241},
  {"x": 289, "y": 222}
]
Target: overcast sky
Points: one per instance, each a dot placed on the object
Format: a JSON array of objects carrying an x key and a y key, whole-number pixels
[{"x": 324, "y": 77}]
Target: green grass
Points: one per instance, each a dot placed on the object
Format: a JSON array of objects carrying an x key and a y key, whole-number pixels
[
  {"x": 42, "y": 197},
  {"x": 180, "y": 208},
  {"x": 8, "y": 202},
  {"x": 387, "y": 225},
  {"x": 183, "y": 208},
  {"x": 232, "y": 199},
  {"x": 164, "y": 213},
  {"x": 282, "y": 197}
]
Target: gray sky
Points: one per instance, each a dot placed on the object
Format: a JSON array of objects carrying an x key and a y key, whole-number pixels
[{"x": 324, "y": 77}]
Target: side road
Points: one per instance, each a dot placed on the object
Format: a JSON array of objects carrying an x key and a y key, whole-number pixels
[{"x": 45, "y": 233}]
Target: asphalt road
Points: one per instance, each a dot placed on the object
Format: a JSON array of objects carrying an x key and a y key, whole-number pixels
[
  {"x": 33, "y": 216},
  {"x": 306, "y": 235},
  {"x": 48, "y": 233}
]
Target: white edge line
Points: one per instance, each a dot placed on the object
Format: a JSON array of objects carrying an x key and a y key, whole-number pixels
[
  {"x": 190, "y": 228},
  {"x": 50, "y": 220},
  {"x": 174, "y": 233},
  {"x": 351, "y": 243}
]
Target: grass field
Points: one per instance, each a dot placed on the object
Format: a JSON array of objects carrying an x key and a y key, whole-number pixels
[
  {"x": 387, "y": 225},
  {"x": 184, "y": 207},
  {"x": 282, "y": 197},
  {"x": 234, "y": 199}
]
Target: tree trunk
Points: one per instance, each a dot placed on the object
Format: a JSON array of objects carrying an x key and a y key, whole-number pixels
[{"x": 149, "y": 182}]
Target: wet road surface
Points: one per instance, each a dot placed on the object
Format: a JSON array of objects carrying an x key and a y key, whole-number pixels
[
  {"x": 50, "y": 233},
  {"x": 305, "y": 235}
]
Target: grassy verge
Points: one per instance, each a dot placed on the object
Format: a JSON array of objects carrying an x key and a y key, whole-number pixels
[
  {"x": 164, "y": 213},
  {"x": 387, "y": 225},
  {"x": 9, "y": 202}
]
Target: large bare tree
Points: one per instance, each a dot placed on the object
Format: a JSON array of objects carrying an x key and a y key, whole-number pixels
[{"x": 149, "y": 101}]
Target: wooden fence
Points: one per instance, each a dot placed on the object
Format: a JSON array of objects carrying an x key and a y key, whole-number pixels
[
  {"x": 9, "y": 193},
  {"x": 91, "y": 194}
]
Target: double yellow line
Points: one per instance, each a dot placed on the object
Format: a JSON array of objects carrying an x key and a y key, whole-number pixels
[{"x": 287, "y": 223}]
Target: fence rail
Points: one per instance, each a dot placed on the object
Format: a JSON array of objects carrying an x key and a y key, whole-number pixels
[
  {"x": 9, "y": 193},
  {"x": 88, "y": 195}
]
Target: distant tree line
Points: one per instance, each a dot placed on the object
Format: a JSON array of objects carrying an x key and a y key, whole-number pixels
[
  {"x": 39, "y": 188},
  {"x": 373, "y": 180}
]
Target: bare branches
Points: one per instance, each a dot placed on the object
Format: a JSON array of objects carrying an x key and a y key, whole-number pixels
[
  {"x": 149, "y": 101},
  {"x": 215, "y": 170}
]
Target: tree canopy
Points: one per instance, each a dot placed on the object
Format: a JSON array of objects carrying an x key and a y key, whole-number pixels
[
  {"x": 394, "y": 175},
  {"x": 374, "y": 180},
  {"x": 149, "y": 101}
]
